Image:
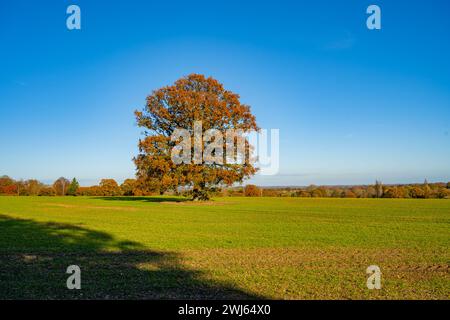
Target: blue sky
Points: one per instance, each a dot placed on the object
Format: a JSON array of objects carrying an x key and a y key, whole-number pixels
[{"x": 352, "y": 105}]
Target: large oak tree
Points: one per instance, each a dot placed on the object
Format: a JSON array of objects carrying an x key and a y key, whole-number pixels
[{"x": 190, "y": 99}]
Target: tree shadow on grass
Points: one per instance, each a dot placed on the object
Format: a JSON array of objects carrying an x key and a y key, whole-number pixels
[
  {"x": 144, "y": 199},
  {"x": 34, "y": 257}
]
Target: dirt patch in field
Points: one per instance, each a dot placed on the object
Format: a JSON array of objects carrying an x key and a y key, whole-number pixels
[
  {"x": 196, "y": 203},
  {"x": 332, "y": 273},
  {"x": 173, "y": 203},
  {"x": 63, "y": 205}
]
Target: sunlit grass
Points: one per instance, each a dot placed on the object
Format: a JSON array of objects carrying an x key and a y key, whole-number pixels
[{"x": 259, "y": 247}]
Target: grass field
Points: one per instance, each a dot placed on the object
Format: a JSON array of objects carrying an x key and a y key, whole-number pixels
[{"x": 283, "y": 248}]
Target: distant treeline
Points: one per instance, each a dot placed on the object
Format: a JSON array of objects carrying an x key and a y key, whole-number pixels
[
  {"x": 64, "y": 187},
  {"x": 378, "y": 190},
  {"x": 133, "y": 187}
]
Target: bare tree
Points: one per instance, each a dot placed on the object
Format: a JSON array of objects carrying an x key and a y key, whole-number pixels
[
  {"x": 61, "y": 185},
  {"x": 378, "y": 189}
]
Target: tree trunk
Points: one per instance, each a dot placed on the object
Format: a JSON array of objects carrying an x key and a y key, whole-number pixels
[{"x": 200, "y": 192}]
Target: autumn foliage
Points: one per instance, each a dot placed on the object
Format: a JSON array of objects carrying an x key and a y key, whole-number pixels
[
  {"x": 189, "y": 99},
  {"x": 251, "y": 190},
  {"x": 133, "y": 187}
]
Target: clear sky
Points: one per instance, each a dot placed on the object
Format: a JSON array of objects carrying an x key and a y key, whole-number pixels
[{"x": 352, "y": 104}]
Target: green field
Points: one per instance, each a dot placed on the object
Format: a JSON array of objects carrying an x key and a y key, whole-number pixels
[{"x": 283, "y": 248}]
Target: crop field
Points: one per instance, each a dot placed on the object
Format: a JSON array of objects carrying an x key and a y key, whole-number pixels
[{"x": 254, "y": 248}]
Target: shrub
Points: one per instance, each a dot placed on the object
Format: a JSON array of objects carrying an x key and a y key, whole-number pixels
[
  {"x": 348, "y": 194},
  {"x": 270, "y": 193},
  {"x": 443, "y": 193},
  {"x": 47, "y": 191},
  {"x": 251, "y": 190},
  {"x": 417, "y": 192},
  {"x": 9, "y": 190}
]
